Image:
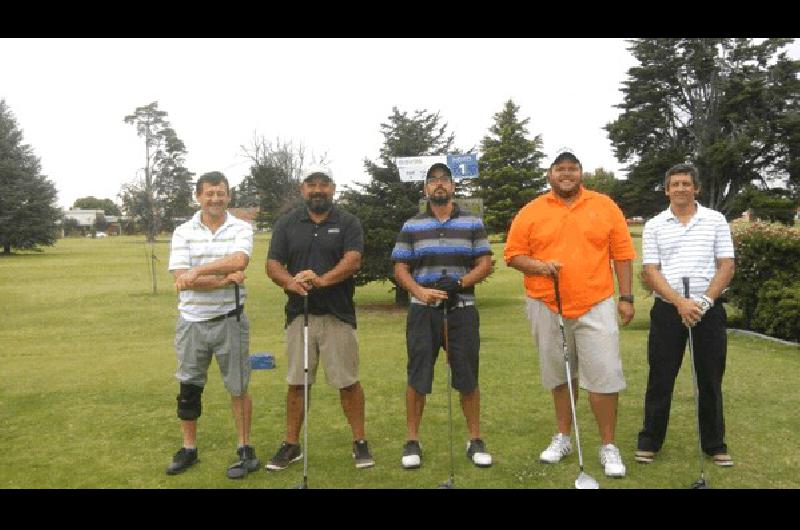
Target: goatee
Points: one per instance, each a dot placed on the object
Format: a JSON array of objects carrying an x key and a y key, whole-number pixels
[{"x": 319, "y": 204}]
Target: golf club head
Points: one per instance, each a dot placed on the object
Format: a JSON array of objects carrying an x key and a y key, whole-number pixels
[
  {"x": 447, "y": 485},
  {"x": 585, "y": 482},
  {"x": 701, "y": 484}
]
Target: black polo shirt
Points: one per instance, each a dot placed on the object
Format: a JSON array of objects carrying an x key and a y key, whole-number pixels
[{"x": 299, "y": 244}]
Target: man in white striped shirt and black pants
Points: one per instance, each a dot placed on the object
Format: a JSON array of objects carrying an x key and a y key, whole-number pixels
[
  {"x": 686, "y": 240},
  {"x": 208, "y": 257}
]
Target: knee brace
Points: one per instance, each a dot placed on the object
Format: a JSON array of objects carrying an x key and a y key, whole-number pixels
[{"x": 189, "y": 405}]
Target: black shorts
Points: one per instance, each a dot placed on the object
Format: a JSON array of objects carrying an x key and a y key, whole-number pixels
[{"x": 424, "y": 337}]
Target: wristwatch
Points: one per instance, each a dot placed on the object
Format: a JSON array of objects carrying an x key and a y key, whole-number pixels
[{"x": 626, "y": 298}]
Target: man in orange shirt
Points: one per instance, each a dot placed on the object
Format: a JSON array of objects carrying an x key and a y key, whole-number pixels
[{"x": 574, "y": 233}]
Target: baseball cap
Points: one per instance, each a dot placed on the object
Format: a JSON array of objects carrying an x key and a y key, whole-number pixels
[
  {"x": 565, "y": 155},
  {"x": 317, "y": 171}
]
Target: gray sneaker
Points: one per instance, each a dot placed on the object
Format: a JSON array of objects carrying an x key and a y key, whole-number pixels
[
  {"x": 361, "y": 455},
  {"x": 287, "y": 453},
  {"x": 248, "y": 461}
]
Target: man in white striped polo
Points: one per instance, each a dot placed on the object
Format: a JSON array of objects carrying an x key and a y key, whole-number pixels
[
  {"x": 686, "y": 240},
  {"x": 208, "y": 257}
]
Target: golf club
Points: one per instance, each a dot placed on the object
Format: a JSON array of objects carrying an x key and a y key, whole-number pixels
[
  {"x": 701, "y": 483},
  {"x": 304, "y": 484},
  {"x": 449, "y": 484},
  {"x": 584, "y": 481},
  {"x": 242, "y": 357}
]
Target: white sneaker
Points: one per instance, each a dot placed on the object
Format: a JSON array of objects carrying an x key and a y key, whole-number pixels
[
  {"x": 611, "y": 460},
  {"x": 559, "y": 447}
]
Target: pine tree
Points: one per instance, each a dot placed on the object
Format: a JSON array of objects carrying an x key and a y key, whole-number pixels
[
  {"x": 28, "y": 214},
  {"x": 509, "y": 170},
  {"x": 729, "y": 106},
  {"x": 384, "y": 203}
]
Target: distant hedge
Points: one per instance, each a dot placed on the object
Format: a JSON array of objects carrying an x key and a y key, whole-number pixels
[{"x": 766, "y": 286}]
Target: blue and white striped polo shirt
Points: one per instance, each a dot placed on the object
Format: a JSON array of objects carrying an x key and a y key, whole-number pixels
[
  {"x": 194, "y": 244},
  {"x": 430, "y": 246},
  {"x": 687, "y": 251}
]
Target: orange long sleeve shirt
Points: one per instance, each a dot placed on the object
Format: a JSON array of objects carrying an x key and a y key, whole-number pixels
[{"x": 584, "y": 236}]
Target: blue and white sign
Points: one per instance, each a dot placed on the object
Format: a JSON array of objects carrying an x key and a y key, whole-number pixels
[
  {"x": 463, "y": 166},
  {"x": 414, "y": 168}
]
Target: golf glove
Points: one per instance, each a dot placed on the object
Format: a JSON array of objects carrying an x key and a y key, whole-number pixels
[
  {"x": 705, "y": 302},
  {"x": 451, "y": 286}
]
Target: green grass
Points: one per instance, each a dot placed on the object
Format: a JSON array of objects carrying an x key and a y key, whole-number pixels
[{"x": 87, "y": 395}]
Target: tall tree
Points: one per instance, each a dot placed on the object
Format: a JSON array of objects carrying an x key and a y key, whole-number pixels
[
  {"x": 28, "y": 214},
  {"x": 92, "y": 203},
  {"x": 273, "y": 183},
  {"x": 385, "y": 202},
  {"x": 166, "y": 192},
  {"x": 730, "y": 106},
  {"x": 509, "y": 170}
]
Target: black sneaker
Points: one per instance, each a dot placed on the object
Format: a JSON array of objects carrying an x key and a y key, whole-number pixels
[
  {"x": 477, "y": 454},
  {"x": 287, "y": 453},
  {"x": 412, "y": 455},
  {"x": 361, "y": 454},
  {"x": 183, "y": 460},
  {"x": 248, "y": 461}
]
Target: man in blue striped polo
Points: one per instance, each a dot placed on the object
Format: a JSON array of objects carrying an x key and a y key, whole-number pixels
[
  {"x": 208, "y": 256},
  {"x": 438, "y": 258},
  {"x": 686, "y": 240}
]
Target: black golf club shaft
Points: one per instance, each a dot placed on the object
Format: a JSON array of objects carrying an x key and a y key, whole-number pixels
[
  {"x": 702, "y": 481},
  {"x": 305, "y": 392},
  {"x": 450, "y": 482}
]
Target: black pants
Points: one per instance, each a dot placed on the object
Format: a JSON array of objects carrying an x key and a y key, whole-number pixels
[{"x": 665, "y": 346}]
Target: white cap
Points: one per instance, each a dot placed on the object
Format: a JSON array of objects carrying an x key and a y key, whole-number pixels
[{"x": 317, "y": 169}]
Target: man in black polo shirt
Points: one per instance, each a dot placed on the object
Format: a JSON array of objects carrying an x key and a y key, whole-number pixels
[
  {"x": 314, "y": 251},
  {"x": 438, "y": 258}
]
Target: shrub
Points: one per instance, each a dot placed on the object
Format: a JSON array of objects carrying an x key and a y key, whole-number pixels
[
  {"x": 768, "y": 266},
  {"x": 778, "y": 311}
]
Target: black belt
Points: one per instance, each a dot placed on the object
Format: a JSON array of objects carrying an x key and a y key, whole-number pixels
[{"x": 232, "y": 313}]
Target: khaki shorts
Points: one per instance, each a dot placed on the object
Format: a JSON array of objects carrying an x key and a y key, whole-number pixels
[
  {"x": 595, "y": 336},
  {"x": 328, "y": 338}
]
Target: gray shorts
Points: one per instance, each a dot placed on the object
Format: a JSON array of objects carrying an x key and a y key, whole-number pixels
[
  {"x": 227, "y": 339},
  {"x": 592, "y": 345},
  {"x": 329, "y": 339}
]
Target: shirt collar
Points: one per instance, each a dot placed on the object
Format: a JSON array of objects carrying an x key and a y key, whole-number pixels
[
  {"x": 455, "y": 213},
  {"x": 198, "y": 220},
  {"x": 333, "y": 215},
  {"x": 583, "y": 196},
  {"x": 698, "y": 214}
]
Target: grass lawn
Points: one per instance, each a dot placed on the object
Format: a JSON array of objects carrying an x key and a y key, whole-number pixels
[{"x": 87, "y": 395}]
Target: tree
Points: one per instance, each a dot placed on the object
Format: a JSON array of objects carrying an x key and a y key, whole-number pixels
[
  {"x": 166, "y": 192},
  {"x": 273, "y": 183},
  {"x": 774, "y": 205},
  {"x": 385, "y": 202},
  {"x": 28, "y": 217},
  {"x": 509, "y": 171},
  {"x": 91, "y": 203},
  {"x": 730, "y": 106}
]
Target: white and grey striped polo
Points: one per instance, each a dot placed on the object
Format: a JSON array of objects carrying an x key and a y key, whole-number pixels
[
  {"x": 687, "y": 251},
  {"x": 194, "y": 244}
]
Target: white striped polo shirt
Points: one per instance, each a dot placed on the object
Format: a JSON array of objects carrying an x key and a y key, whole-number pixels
[
  {"x": 687, "y": 251},
  {"x": 194, "y": 244}
]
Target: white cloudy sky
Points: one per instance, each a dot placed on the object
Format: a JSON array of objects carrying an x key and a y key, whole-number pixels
[{"x": 70, "y": 97}]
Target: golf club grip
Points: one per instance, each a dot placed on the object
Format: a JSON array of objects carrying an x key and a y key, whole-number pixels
[
  {"x": 305, "y": 310},
  {"x": 558, "y": 294},
  {"x": 685, "y": 286},
  {"x": 238, "y": 303}
]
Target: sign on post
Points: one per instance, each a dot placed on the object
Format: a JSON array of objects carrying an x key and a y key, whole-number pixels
[{"x": 414, "y": 168}]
